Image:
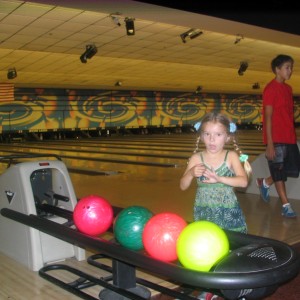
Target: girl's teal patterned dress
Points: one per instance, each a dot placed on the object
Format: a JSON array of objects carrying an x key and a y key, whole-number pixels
[{"x": 217, "y": 202}]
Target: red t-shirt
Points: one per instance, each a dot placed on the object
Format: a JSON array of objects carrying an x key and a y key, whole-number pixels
[{"x": 280, "y": 96}]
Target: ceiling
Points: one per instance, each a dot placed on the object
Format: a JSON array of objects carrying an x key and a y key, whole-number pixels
[
  {"x": 273, "y": 14},
  {"x": 44, "y": 39}
]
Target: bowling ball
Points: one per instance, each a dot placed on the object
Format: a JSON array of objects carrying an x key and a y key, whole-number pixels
[
  {"x": 201, "y": 244},
  {"x": 129, "y": 225},
  {"x": 93, "y": 215},
  {"x": 160, "y": 236}
]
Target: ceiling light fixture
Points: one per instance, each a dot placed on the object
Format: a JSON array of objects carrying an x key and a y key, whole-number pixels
[
  {"x": 12, "y": 73},
  {"x": 116, "y": 20},
  {"x": 192, "y": 33},
  {"x": 118, "y": 83},
  {"x": 198, "y": 89},
  {"x": 90, "y": 51},
  {"x": 256, "y": 86},
  {"x": 129, "y": 23},
  {"x": 238, "y": 38},
  {"x": 243, "y": 68}
]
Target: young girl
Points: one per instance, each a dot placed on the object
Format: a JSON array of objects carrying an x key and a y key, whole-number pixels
[{"x": 218, "y": 172}]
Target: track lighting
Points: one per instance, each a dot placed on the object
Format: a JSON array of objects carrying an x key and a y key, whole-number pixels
[
  {"x": 243, "y": 68},
  {"x": 129, "y": 23},
  {"x": 192, "y": 33},
  {"x": 256, "y": 86},
  {"x": 12, "y": 73},
  {"x": 116, "y": 20},
  {"x": 90, "y": 51},
  {"x": 238, "y": 38},
  {"x": 198, "y": 90},
  {"x": 118, "y": 83}
]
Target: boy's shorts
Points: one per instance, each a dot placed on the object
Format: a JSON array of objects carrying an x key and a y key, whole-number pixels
[{"x": 286, "y": 162}]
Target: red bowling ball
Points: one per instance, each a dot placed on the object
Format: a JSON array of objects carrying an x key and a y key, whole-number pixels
[
  {"x": 93, "y": 215},
  {"x": 160, "y": 236}
]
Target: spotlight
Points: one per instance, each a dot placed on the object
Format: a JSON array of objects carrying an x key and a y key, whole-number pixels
[
  {"x": 238, "y": 38},
  {"x": 256, "y": 86},
  {"x": 198, "y": 90},
  {"x": 118, "y": 83},
  {"x": 243, "y": 68},
  {"x": 116, "y": 20},
  {"x": 12, "y": 73},
  {"x": 90, "y": 51},
  {"x": 192, "y": 33},
  {"x": 129, "y": 23}
]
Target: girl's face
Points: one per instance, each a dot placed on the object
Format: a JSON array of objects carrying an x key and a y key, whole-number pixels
[
  {"x": 285, "y": 71},
  {"x": 214, "y": 136}
]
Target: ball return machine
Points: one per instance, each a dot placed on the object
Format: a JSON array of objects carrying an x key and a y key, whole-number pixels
[{"x": 36, "y": 229}]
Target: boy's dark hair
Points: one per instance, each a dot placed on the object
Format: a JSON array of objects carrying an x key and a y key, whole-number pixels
[{"x": 279, "y": 60}]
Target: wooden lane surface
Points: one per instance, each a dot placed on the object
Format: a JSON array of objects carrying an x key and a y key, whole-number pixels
[{"x": 148, "y": 147}]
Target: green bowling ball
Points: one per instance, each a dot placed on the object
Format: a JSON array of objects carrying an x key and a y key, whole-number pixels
[{"x": 129, "y": 225}]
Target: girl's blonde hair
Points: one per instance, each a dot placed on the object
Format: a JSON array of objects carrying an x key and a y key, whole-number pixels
[{"x": 215, "y": 117}]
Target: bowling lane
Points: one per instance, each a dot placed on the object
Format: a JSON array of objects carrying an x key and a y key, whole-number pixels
[
  {"x": 142, "y": 170},
  {"x": 103, "y": 157},
  {"x": 125, "y": 175},
  {"x": 114, "y": 150},
  {"x": 165, "y": 147}
]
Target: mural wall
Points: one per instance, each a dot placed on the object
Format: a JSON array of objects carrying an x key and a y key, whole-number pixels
[{"x": 51, "y": 109}]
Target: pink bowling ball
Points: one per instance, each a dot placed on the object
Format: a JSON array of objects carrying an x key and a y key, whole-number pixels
[
  {"x": 93, "y": 215},
  {"x": 160, "y": 236}
]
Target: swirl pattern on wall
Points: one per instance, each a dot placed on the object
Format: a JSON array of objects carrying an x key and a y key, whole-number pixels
[
  {"x": 187, "y": 109},
  {"x": 297, "y": 110},
  {"x": 21, "y": 115},
  {"x": 47, "y": 109},
  {"x": 244, "y": 108},
  {"x": 101, "y": 108}
]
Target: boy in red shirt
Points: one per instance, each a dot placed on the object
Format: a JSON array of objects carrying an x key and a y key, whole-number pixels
[{"x": 279, "y": 133}]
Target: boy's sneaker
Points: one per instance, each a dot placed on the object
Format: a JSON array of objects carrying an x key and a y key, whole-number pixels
[
  {"x": 264, "y": 191},
  {"x": 288, "y": 212}
]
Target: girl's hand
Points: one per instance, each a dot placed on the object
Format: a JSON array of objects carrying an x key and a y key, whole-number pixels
[
  {"x": 210, "y": 176},
  {"x": 198, "y": 170}
]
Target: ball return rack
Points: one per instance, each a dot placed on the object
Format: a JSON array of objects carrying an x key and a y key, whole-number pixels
[{"x": 37, "y": 198}]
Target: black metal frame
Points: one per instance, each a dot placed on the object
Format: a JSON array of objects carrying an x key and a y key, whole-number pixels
[{"x": 125, "y": 261}]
